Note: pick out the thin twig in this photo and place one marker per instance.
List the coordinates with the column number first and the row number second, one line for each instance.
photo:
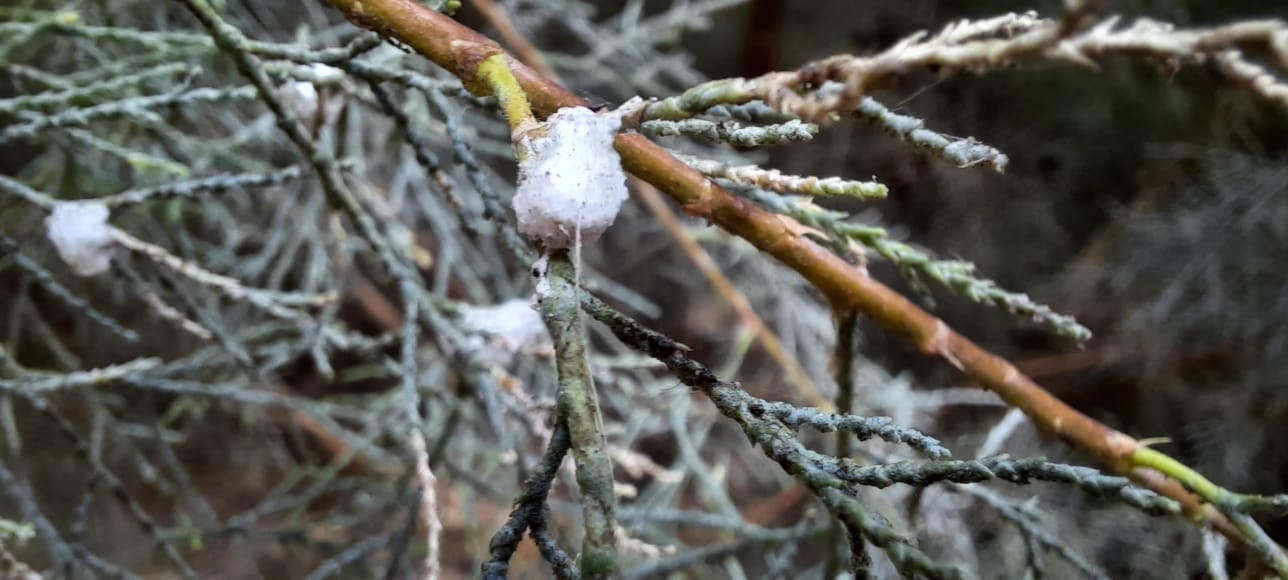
column 437, row 37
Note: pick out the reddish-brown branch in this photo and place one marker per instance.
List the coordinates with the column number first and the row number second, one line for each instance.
column 458, row 48
column 731, row 295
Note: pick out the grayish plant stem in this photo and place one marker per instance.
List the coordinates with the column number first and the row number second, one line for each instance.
column 778, row 442
column 843, row 359
column 579, row 407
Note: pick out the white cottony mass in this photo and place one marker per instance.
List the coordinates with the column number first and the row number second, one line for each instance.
column 82, row 236
column 513, row 326
column 571, row 179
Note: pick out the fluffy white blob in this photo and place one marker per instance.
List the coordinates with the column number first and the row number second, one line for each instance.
column 301, row 97
column 80, row 232
column 512, row 326
column 571, row 179
column 306, row 96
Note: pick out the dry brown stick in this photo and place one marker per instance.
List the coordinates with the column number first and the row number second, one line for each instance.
column 1068, row 362
column 460, row 50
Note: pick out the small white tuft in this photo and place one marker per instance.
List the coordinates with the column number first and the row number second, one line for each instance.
column 512, row 327
column 571, row 179
column 301, row 97
column 80, row 232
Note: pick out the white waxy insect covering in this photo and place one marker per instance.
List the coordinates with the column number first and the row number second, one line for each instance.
column 513, row 326
column 82, row 236
column 571, row 179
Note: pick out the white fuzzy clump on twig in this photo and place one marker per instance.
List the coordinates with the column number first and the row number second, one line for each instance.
column 511, row 327
column 571, row 183
column 82, row 236
column 301, row 95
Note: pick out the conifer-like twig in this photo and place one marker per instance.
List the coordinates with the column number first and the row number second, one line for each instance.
column 438, row 38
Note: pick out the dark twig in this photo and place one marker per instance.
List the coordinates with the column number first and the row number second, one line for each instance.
column 530, row 507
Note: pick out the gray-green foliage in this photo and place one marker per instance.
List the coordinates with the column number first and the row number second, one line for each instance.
column 211, row 369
